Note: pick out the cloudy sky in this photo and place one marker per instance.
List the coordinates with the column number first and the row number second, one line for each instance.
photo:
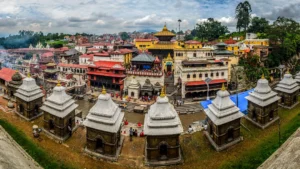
column 112, row 16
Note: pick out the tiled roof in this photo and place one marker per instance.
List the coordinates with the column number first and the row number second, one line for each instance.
column 202, row 82
column 143, row 57
column 6, row 74
column 106, row 54
column 72, row 65
column 109, row 65
column 87, row 56
column 47, row 54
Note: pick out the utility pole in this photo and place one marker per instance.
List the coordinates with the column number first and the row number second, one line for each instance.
column 179, row 20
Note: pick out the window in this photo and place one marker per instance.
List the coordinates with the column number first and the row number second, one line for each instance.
column 211, row 74
column 232, row 48
column 194, row 54
column 206, row 75
column 198, row 46
column 193, row 46
column 222, row 74
column 200, row 75
column 217, row 74
column 188, row 76
column 194, row 75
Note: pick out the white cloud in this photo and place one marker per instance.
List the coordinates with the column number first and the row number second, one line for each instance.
column 50, row 24
column 100, row 22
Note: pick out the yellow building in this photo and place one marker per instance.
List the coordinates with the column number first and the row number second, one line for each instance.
column 239, row 48
column 143, row 44
column 192, row 44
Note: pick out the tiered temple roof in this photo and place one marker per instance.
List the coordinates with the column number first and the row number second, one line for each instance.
column 147, row 86
column 16, row 80
column 29, row 90
column 263, row 94
column 164, row 32
column 143, row 57
column 105, row 115
column 59, row 103
column 223, row 110
column 287, row 84
column 162, row 118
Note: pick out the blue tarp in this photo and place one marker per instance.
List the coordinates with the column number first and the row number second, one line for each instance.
column 243, row 102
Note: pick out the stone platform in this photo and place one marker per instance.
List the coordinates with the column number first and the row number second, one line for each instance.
column 50, row 135
column 259, row 125
column 29, row 119
column 289, row 107
column 223, row 147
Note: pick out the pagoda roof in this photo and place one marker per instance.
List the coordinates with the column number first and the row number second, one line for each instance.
column 223, row 110
column 29, row 90
column 287, row 84
column 263, row 94
column 59, row 103
column 105, row 115
column 162, row 119
column 143, row 57
column 164, row 32
column 297, row 77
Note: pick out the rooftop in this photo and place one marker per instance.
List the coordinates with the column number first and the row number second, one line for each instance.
column 6, row 74
column 164, row 32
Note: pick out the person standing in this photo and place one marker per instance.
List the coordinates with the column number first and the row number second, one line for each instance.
column 130, row 133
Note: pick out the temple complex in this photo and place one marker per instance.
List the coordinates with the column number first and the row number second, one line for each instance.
column 103, row 125
column 147, row 71
column 262, row 104
column 223, row 121
column 59, row 114
column 29, row 99
column 288, row 90
column 14, row 84
column 162, row 127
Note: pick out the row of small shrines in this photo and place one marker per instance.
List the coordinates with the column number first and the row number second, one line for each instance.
column 162, row 125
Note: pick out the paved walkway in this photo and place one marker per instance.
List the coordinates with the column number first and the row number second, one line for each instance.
column 12, row 156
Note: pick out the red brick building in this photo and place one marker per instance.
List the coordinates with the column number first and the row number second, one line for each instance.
column 107, row 73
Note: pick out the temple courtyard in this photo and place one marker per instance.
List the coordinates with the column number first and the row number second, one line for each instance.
column 256, row 147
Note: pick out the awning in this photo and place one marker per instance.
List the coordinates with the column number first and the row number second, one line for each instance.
column 202, row 82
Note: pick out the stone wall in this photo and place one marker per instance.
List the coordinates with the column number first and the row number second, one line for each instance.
column 153, row 144
column 28, row 108
column 262, row 115
column 288, row 99
column 110, row 141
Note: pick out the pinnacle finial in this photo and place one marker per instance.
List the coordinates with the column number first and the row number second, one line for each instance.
column 162, row 93
column 58, row 83
column 103, row 90
column 28, row 74
column 287, row 71
column 263, row 76
column 223, row 87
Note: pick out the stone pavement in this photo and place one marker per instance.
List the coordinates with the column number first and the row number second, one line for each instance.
column 12, row 155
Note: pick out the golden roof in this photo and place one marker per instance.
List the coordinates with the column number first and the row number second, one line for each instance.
column 51, row 64
column 169, row 58
column 164, row 32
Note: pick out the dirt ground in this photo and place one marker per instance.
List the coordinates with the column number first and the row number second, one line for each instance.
column 71, row 151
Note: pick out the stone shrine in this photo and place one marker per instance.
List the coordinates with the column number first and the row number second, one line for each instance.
column 14, row 84
column 162, row 128
column 223, row 121
column 288, row 90
column 103, row 125
column 262, row 104
column 29, row 99
column 59, row 114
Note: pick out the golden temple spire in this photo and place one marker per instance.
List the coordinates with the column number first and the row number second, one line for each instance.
column 17, row 71
column 58, row 83
column 287, row 71
column 165, row 27
column 103, row 90
column 223, row 87
column 162, row 93
column 263, row 76
column 28, row 74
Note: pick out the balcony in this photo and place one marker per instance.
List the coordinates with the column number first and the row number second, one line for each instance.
column 144, row 73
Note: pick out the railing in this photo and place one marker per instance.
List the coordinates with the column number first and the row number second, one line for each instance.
column 203, row 68
column 143, row 73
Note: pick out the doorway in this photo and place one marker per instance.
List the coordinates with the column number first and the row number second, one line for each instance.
column 36, row 109
column 254, row 115
column 132, row 94
column 99, row 145
column 163, row 151
column 230, row 134
column 169, row 68
column 21, row 109
column 51, row 126
column 271, row 115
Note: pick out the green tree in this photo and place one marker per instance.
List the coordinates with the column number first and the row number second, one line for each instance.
column 243, row 15
column 124, row 36
column 188, row 37
column 210, row 30
column 259, row 25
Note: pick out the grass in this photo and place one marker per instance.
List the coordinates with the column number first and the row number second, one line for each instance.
column 37, row 153
column 257, row 146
